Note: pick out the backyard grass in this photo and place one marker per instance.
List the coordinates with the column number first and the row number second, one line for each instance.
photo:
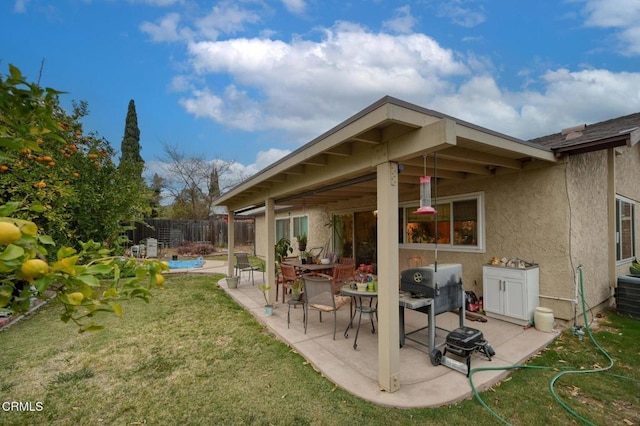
column 193, row 356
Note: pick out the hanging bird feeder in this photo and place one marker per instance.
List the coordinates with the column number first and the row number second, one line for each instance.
column 425, row 192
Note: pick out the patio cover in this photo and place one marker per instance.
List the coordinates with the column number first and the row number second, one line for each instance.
column 379, row 151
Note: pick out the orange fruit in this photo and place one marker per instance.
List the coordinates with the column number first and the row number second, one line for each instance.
column 34, row 268
column 9, row 233
column 4, row 168
column 92, row 156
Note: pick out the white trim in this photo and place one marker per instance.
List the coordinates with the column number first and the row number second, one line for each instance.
column 480, row 247
column 626, row 260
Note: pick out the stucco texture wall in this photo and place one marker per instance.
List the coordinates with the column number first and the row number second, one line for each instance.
column 317, row 237
column 627, row 182
column 554, row 215
column 587, row 184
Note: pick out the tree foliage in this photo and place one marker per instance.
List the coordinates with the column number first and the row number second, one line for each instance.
column 194, row 182
column 130, row 148
column 58, row 185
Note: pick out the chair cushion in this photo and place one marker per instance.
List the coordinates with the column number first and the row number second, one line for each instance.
column 324, row 308
column 340, row 301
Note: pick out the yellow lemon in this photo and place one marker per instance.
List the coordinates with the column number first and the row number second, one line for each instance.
column 75, row 298
column 34, row 268
column 159, row 279
column 9, row 233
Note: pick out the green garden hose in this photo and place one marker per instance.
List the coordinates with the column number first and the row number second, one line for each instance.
column 567, row 370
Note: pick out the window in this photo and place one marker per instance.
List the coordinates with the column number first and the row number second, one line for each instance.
column 460, row 224
column 625, row 229
column 300, row 226
column 288, row 228
column 282, row 229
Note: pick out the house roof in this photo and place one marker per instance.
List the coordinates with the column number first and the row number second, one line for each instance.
column 341, row 163
column 621, row 131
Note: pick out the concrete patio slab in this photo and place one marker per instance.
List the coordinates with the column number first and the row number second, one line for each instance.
column 421, row 383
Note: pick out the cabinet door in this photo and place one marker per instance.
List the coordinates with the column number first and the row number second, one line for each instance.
column 515, row 302
column 492, row 294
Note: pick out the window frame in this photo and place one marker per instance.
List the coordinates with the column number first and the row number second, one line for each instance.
column 289, row 224
column 480, row 247
column 618, row 236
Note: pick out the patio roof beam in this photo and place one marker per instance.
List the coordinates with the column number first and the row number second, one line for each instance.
column 295, row 170
column 477, row 157
column 342, row 184
column 318, row 160
column 503, row 143
column 444, row 164
column 343, row 150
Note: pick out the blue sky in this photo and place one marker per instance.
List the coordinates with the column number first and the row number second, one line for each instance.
column 251, row 80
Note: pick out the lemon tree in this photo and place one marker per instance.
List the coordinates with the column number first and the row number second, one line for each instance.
column 86, row 278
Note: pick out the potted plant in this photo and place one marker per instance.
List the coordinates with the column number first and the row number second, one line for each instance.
column 268, row 307
column 232, row 281
column 296, row 289
column 305, row 257
column 283, row 249
column 302, row 242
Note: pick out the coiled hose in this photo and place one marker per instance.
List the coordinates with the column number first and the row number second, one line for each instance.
column 567, row 370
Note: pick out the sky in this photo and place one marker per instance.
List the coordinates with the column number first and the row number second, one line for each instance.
column 251, row 80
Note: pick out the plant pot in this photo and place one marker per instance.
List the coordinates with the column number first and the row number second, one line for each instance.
column 268, row 310
column 232, row 282
column 302, row 247
column 296, row 296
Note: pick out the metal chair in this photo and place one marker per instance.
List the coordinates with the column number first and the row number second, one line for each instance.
column 318, row 295
column 243, row 265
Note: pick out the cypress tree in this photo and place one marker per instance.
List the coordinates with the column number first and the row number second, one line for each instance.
column 130, row 148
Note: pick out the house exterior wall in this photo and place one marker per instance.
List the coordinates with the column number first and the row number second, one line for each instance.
column 627, row 183
column 589, row 197
column 554, row 215
column 317, row 237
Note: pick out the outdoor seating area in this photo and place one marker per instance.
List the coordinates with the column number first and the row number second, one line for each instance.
column 357, row 370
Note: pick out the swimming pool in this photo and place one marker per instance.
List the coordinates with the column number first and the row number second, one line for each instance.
column 183, row 264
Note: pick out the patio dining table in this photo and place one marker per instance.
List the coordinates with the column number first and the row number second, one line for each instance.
column 361, row 308
column 312, row 267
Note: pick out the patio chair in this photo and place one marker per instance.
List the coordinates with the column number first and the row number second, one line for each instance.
column 289, row 275
column 318, row 291
column 342, row 274
column 243, row 265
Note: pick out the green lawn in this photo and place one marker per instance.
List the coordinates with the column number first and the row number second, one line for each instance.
column 192, row 356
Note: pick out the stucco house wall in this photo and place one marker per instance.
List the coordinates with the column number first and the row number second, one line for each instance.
column 554, row 215
column 627, row 164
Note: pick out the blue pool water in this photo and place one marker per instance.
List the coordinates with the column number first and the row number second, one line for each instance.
column 182, row 264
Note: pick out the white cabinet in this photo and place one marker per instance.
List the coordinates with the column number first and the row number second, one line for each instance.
column 510, row 294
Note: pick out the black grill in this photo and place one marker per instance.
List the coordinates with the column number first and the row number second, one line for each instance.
column 443, row 285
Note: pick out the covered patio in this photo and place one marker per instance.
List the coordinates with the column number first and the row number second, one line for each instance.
column 423, row 385
column 380, row 153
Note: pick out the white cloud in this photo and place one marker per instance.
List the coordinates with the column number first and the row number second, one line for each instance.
column 166, row 30
column 225, row 18
column 461, row 14
column 621, row 15
column 306, row 85
column 20, row 6
column 567, row 99
column 295, row 6
column 402, row 21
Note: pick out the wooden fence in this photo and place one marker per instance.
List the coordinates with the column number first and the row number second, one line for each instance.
column 175, row 232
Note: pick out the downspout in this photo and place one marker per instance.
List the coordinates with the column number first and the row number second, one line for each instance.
column 611, row 207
